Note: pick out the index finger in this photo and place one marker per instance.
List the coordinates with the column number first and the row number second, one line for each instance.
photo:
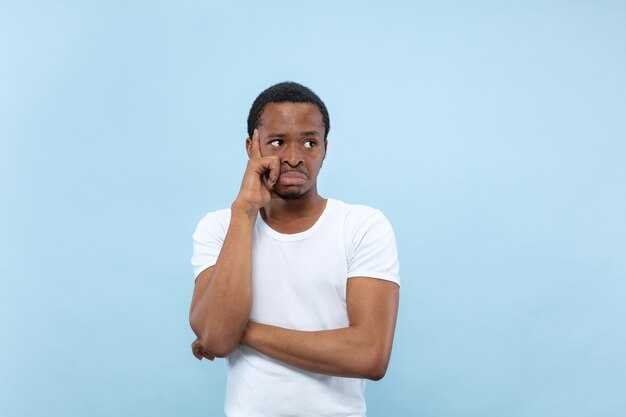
column 255, row 152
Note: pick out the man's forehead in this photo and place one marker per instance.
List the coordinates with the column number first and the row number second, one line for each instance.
column 292, row 115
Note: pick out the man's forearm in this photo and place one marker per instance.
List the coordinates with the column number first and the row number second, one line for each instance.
column 348, row 352
column 220, row 314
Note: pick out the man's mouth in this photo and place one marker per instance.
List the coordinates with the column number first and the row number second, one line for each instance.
column 292, row 178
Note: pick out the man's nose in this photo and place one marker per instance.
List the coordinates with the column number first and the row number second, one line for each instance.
column 292, row 156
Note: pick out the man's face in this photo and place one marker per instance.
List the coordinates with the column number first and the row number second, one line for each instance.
column 295, row 133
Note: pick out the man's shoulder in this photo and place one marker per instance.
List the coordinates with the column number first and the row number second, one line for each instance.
column 225, row 212
column 218, row 218
column 356, row 212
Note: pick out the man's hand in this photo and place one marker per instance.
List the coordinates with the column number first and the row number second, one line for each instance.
column 260, row 177
column 199, row 352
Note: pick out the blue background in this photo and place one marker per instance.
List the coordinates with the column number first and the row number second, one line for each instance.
column 491, row 134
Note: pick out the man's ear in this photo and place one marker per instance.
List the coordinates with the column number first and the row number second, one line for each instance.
column 248, row 146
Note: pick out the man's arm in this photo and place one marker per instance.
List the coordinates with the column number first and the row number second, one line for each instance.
column 222, row 297
column 361, row 350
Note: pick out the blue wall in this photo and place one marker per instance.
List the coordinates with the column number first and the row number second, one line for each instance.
column 492, row 135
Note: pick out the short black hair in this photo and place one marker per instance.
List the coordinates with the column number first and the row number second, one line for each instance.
column 281, row 93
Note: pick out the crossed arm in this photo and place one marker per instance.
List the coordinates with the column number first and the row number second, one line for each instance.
column 361, row 350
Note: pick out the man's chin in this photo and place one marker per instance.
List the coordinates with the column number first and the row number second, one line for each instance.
column 291, row 194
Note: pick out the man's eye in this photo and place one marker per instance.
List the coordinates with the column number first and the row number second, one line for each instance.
column 276, row 142
column 309, row 144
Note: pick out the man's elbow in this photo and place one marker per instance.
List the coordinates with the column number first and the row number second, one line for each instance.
column 220, row 347
column 376, row 373
column 377, row 367
column 219, row 350
column 196, row 324
column 216, row 345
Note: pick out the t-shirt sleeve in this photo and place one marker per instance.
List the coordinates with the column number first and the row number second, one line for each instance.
column 372, row 252
column 208, row 239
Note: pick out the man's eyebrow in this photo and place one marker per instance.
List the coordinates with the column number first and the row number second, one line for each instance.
column 310, row 133
column 278, row 135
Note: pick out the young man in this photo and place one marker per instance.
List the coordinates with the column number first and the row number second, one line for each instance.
column 298, row 292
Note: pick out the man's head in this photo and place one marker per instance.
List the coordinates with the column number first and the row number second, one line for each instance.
column 285, row 92
column 292, row 124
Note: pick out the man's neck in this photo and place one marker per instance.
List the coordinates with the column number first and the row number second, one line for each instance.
column 294, row 216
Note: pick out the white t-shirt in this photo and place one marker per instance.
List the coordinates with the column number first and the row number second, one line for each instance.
column 299, row 282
